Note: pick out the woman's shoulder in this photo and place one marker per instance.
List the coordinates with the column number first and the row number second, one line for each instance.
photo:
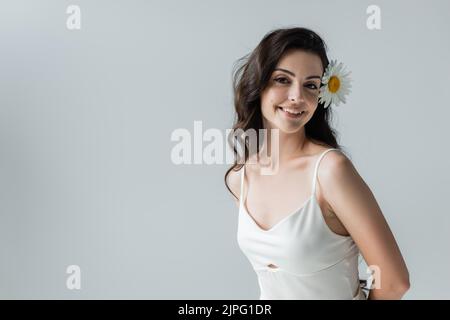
column 234, row 177
column 335, row 154
column 333, row 160
column 234, row 181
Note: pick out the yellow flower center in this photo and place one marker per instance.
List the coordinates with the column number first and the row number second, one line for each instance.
column 333, row 84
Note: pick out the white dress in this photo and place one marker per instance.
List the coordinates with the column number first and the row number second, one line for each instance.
column 312, row 261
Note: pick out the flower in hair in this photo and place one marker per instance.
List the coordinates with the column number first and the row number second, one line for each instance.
column 335, row 84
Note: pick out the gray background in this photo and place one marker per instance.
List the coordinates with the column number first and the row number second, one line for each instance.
column 85, row 124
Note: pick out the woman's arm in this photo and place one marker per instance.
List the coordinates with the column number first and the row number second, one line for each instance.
column 356, row 207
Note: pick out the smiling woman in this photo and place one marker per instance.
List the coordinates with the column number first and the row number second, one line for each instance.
column 303, row 227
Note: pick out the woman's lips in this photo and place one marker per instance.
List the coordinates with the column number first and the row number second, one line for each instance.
column 290, row 115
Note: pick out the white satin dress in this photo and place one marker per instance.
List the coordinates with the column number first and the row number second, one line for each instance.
column 312, row 261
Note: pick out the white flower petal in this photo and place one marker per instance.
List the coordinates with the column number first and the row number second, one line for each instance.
column 337, row 70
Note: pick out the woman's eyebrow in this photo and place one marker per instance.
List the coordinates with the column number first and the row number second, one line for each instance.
column 293, row 74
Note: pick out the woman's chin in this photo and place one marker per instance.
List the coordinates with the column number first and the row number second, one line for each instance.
column 285, row 127
column 289, row 129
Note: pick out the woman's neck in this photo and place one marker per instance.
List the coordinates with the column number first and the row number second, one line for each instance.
column 280, row 147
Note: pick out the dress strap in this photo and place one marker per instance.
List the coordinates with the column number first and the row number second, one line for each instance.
column 242, row 183
column 316, row 168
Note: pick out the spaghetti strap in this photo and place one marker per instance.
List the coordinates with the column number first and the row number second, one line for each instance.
column 316, row 169
column 242, row 184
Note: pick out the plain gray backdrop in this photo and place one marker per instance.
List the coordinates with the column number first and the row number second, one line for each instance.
column 86, row 118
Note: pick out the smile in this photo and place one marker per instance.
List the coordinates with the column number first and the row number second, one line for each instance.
column 291, row 113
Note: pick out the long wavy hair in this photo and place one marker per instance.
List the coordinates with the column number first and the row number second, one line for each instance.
column 251, row 75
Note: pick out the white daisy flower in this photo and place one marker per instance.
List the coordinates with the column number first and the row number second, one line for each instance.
column 335, row 84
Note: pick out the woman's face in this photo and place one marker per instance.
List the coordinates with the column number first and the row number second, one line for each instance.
column 293, row 88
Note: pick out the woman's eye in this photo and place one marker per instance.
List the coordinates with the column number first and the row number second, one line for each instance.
column 311, row 86
column 282, row 80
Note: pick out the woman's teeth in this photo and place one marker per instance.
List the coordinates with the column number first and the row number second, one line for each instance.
column 291, row 111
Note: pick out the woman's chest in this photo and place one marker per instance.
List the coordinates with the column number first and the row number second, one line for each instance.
column 272, row 199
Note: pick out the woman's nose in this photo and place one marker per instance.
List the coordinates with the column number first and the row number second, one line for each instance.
column 295, row 95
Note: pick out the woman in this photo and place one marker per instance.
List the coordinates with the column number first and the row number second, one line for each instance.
column 303, row 227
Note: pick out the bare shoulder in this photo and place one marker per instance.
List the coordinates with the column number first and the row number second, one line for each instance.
column 339, row 182
column 334, row 160
column 332, row 163
column 336, row 166
column 234, row 183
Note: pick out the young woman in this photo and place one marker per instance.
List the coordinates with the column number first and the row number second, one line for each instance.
column 303, row 227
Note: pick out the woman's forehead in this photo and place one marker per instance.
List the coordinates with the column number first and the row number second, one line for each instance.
column 301, row 63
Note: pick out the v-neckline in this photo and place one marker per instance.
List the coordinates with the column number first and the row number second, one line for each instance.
column 285, row 218
column 243, row 201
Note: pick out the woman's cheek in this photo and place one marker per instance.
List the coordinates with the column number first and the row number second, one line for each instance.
column 278, row 92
